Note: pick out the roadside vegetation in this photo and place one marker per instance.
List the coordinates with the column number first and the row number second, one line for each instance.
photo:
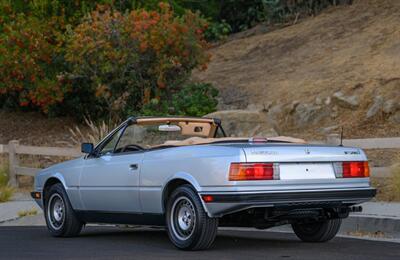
column 107, row 59
column 25, row 213
column 6, row 191
column 389, row 188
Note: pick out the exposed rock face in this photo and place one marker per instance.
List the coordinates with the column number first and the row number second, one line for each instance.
column 395, row 118
column 309, row 114
column 245, row 123
column 375, row 107
column 391, row 106
column 345, row 101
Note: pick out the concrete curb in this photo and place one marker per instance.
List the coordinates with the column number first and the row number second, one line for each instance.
column 373, row 226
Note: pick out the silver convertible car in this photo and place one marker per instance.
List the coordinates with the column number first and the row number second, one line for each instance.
column 185, row 174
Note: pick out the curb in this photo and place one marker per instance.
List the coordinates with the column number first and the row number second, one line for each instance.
column 371, row 225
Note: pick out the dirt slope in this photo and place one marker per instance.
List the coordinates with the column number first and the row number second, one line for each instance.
column 354, row 49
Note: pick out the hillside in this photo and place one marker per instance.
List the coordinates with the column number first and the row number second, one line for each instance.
column 339, row 68
column 295, row 70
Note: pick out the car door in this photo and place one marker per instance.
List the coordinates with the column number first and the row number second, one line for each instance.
column 110, row 180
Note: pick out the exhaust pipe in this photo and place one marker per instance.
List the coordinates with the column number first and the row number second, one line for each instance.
column 356, row 209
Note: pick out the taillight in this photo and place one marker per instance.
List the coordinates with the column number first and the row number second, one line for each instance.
column 351, row 169
column 253, row 171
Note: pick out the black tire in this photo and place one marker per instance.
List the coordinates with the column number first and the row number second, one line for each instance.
column 201, row 229
column 61, row 219
column 318, row 231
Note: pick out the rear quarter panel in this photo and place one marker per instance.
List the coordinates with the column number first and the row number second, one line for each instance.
column 202, row 166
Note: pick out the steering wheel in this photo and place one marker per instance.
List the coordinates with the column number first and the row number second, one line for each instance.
column 131, row 148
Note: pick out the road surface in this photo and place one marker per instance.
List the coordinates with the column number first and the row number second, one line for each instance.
column 145, row 243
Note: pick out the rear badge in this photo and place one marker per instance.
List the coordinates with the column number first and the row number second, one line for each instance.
column 307, row 151
column 264, row 152
column 351, row 152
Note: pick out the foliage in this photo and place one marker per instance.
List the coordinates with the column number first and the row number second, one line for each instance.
column 6, row 192
column 388, row 189
column 128, row 59
column 108, row 58
column 217, row 31
column 29, row 63
column 3, row 174
column 194, row 99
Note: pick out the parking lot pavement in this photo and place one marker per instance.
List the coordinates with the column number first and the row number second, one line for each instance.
column 147, row 243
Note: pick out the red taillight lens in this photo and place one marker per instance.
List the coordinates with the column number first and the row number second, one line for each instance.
column 251, row 171
column 207, row 198
column 355, row 169
column 351, row 169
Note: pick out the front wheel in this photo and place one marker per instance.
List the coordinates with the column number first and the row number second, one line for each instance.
column 318, row 231
column 61, row 219
column 189, row 227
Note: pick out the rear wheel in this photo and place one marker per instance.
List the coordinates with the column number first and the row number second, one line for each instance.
column 61, row 219
column 188, row 225
column 317, row 231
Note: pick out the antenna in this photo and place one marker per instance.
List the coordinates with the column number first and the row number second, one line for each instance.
column 341, row 137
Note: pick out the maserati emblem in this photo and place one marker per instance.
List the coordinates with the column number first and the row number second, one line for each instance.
column 307, row 151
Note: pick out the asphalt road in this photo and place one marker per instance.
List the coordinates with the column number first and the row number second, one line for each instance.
column 117, row 243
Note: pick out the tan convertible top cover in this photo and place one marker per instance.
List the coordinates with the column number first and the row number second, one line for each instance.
column 199, row 140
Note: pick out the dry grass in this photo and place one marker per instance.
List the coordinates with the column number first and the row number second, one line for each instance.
column 377, row 234
column 24, row 213
column 6, row 192
column 94, row 133
column 388, row 189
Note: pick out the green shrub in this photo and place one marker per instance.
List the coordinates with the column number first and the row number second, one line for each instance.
column 30, row 62
column 217, row 31
column 194, row 99
column 3, row 174
column 6, row 192
column 125, row 60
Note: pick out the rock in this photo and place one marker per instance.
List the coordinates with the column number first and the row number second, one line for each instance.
column 335, row 112
column 256, row 107
column 328, row 101
column 309, row 114
column 345, row 101
column 318, row 101
column 391, row 106
column 395, row 118
column 245, row 123
column 275, row 113
column 329, row 129
column 375, row 107
column 292, row 106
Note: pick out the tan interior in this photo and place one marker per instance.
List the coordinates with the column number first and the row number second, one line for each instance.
column 202, row 131
column 202, row 127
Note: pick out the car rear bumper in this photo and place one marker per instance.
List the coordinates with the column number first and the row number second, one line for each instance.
column 230, row 202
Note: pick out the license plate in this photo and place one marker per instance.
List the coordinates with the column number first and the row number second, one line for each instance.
column 306, row 171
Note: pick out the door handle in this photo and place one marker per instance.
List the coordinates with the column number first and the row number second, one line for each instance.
column 133, row 166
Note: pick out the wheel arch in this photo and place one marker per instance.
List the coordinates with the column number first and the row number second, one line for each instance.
column 50, row 181
column 176, row 181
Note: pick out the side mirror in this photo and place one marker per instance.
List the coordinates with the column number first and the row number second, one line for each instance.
column 87, row 148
